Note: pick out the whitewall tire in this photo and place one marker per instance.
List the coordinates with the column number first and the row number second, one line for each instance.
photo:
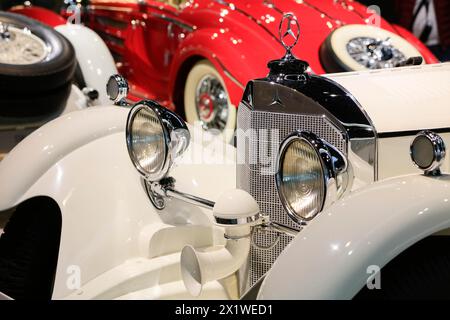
column 206, row 100
column 360, row 47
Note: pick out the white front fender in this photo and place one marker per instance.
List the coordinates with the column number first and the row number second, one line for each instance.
column 112, row 239
column 330, row 257
column 94, row 58
column 38, row 152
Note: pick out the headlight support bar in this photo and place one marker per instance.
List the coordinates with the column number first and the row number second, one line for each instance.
column 165, row 188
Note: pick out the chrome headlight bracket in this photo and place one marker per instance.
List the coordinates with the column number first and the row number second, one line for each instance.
column 156, row 191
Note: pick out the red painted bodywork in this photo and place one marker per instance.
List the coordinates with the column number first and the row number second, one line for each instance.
column 48, row 17
column 156, row 44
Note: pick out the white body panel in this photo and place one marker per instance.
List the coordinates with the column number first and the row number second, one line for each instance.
column 402, row 99
column 120, row 243
column 94, row 58
column 77, row 100
column 329, row 258
column 394, row 159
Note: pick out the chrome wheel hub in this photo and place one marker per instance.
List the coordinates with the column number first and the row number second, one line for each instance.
column 374, row 53
column 211, row 103
column 20, row 46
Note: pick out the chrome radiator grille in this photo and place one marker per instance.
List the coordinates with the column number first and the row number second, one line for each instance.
column 257, row 154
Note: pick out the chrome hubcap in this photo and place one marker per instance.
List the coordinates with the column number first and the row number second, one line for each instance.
column 4, row 31
column 211, row 103
column 375, row 53
column 20, row 46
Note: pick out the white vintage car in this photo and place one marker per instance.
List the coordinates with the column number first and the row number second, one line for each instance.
column 334, row 191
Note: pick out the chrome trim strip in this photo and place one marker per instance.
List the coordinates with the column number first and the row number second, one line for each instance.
column 108, row 8
column 407, row 133
column 232, row 78
column 353, row 136
column 175, row 21
column 238, row 221
column 228, row 74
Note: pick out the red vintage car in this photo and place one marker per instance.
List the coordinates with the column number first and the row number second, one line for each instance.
column 196, row 56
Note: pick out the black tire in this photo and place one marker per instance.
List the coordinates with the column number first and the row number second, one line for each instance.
column 420, row 272
column 29, row 250
column 54, row 72
column 330, row 62
column 34, row 106
column 40, row 89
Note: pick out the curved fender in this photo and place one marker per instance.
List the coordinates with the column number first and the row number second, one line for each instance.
column 41, row 14
column 329, row 259
column 81, row 161
column 32, row 157
column 235, row 72
column 428, row 56
column 94, row 58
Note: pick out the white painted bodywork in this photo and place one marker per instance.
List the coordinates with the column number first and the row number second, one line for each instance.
column 402, row 99
column 125, row 248
column 330, row 257
column 111, row 232
column 94, row 58
column 406, row 100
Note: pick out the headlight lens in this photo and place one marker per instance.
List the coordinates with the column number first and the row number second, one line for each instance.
column 155, row 137
column 147, row 142
column 301, row 181
column 428, row 151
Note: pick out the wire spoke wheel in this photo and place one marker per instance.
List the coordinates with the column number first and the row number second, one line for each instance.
column 212, row 103
column 20, row 46
column 356, row 47
column 206, row 101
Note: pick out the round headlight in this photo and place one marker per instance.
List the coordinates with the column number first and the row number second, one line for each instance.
column 117, row 88
column 311, row 175
column 147, row 142
column 301, row 178
column 155, row 137
column 427, row 151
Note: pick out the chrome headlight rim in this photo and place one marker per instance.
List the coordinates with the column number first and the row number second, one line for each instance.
column 159, row 111
column 438, row 151
column 332, row 162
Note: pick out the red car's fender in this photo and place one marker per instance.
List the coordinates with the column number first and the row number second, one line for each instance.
column 235, row 72
column 43, row 15
column 424, row 51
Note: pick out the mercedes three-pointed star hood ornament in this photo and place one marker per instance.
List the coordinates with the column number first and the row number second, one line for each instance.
column 289, row 34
